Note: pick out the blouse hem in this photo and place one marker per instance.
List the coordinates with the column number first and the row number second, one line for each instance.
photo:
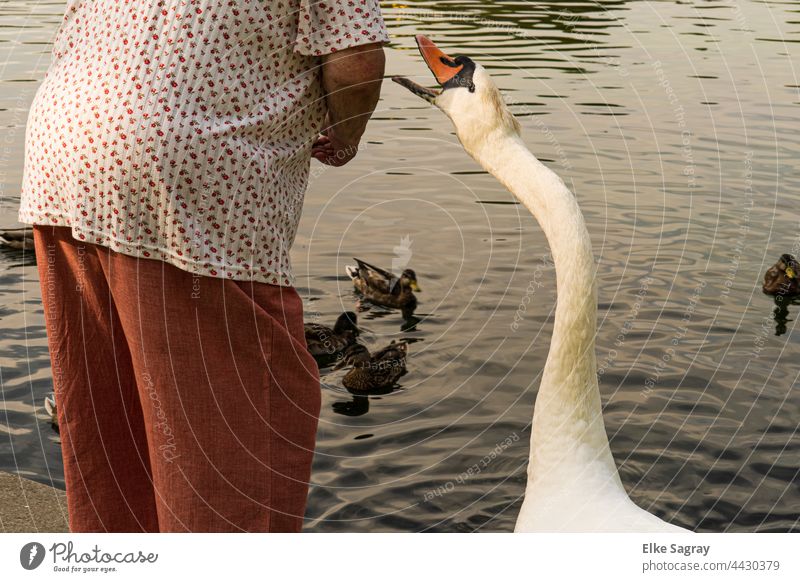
column 141, row 251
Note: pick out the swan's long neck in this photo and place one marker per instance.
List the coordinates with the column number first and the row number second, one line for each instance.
column 568, row 432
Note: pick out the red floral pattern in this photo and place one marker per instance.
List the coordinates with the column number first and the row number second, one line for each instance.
column 181, row 130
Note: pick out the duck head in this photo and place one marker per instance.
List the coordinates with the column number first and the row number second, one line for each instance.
column 468, row 96
column 408, row 278
column 782, row 277
column 346, row 322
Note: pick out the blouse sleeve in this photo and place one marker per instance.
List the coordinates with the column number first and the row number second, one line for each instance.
column 327, row 26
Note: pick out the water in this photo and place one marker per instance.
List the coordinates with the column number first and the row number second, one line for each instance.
column 677, row 128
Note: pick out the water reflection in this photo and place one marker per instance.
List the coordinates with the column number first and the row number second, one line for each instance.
column 675, row 124
column 781, row 313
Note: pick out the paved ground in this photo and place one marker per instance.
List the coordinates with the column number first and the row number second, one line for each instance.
column 27, row 506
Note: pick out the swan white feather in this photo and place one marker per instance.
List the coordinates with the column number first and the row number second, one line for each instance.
column 573, row 483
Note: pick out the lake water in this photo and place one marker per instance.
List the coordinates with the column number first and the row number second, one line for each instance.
column 678, row 128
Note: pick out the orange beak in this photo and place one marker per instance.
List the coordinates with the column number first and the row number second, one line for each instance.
column 442, row 66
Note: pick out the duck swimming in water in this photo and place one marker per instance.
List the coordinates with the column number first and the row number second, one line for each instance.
column 384, row 288
column 374, row 371
column 782, row 277
column 325, row 344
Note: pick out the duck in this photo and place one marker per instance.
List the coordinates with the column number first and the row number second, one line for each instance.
column 326, row 344
column 781, row 279
column 373, row 371
column 381, row 287
column 17, row 238
column 572, row 481
column 51, row 408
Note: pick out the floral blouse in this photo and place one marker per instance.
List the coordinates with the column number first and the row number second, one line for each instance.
column 181, row 130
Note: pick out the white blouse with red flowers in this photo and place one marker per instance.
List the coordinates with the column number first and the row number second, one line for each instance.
column 181, row 130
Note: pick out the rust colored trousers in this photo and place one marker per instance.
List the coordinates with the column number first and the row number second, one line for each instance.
column 185, row 403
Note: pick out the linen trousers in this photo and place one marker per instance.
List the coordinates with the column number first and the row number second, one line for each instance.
column 185, row 403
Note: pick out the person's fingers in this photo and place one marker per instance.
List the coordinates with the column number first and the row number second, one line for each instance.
column 328, row 151
column 322, row 146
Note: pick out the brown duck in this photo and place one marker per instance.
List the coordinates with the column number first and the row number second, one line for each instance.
column 782, row 277
column 326, row 344
column 384, row 288
column 373, row 371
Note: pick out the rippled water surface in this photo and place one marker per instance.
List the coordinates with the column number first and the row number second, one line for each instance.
column 678, row 128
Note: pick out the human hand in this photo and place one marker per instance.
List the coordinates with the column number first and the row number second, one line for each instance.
column 331, row 150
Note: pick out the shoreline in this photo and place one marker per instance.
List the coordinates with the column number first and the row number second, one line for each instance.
column 28, row 506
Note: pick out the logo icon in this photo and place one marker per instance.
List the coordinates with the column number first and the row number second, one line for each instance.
column 402, row 256
column 31, row 555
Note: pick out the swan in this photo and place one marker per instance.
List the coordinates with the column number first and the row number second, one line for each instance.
column 573, row 483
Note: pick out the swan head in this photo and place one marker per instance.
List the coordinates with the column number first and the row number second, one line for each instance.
column 468, row 96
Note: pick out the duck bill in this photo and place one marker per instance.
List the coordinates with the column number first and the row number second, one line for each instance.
column 415, row 287
column 442, row 66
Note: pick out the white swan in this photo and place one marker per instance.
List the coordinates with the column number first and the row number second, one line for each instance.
column 573, row 484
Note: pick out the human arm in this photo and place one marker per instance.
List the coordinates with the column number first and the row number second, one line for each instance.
column 351, row 79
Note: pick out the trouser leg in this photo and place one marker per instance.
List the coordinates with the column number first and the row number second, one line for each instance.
column 229, row 393
column 294, row 404
column 103, row 440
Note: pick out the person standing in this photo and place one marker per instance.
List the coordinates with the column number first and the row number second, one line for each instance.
column 167, row 156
